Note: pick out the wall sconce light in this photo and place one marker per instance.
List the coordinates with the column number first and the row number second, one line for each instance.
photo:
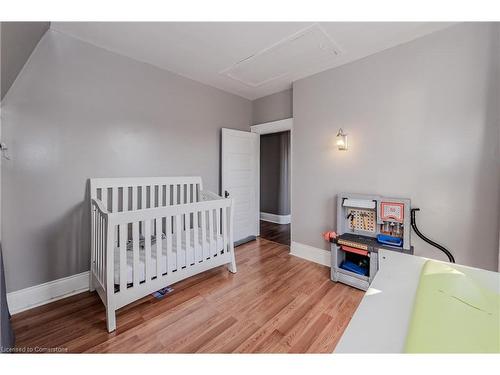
column 3, row 151
column 341, row 140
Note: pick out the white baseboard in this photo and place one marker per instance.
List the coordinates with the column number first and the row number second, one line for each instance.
column 311, row 253
column 42, row 294
column 278, row 219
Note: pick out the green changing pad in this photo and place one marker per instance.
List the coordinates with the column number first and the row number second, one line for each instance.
column 453, row 314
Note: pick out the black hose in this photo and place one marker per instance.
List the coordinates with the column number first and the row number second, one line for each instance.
column 414, row 226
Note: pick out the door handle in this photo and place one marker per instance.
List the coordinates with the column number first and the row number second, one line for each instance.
column 226, row 194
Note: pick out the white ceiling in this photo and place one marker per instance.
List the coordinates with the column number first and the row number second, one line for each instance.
column 250, row 59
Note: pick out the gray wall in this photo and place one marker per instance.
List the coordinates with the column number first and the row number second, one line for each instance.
column 78, row 111
column 422, row 124
column 275, row 173
column 273, row 107
column 17, row 42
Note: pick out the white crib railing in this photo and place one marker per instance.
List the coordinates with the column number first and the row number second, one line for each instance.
column 177, row 231
column 128, row 194
column 98, row 242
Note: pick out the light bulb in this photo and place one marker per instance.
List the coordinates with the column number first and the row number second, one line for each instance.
column 341, row 140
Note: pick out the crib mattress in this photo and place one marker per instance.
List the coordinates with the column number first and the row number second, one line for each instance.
column 204, row 251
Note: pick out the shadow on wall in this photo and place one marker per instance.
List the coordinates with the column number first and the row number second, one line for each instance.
column 488, row 179
column 70, row 236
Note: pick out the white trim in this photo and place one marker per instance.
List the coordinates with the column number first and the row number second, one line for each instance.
column 276, row 127
column 311, row 253
column 42, row 294
column 277, row 219
column 273, row 127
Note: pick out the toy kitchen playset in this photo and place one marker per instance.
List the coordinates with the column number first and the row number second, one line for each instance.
column 365, row 224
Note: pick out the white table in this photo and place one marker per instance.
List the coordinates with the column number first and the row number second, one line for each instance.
column 381, row 321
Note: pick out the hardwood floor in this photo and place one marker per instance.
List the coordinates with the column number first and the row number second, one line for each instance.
column 275, row 303
column 279, row 233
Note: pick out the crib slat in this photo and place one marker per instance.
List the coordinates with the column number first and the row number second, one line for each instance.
column 123, row 257
column 161, row 198
column 192, row 249
column 196, row 238
column 134, row 198
column 231, row 228
column 135, row 249
column 167, row 197
column 98, row 245
column 181, row 198
column 103, row 234
column 114, row 199
column 178, row 240
column 94, row 235
column 148, row 261
column 143, row 196
column 114, row 208
column 95, row 240
column 217, row 221
column 211, row 231
column 204, row 247
column 189, row 250
column 101, row 245
column 224, row 228
column 217, row 233
column 152, row 196
column 159, row 248
column 97, row 249
column 168, row 233
column 104, row 198
column 192, row 215
column 125, row 199
column 103, row 248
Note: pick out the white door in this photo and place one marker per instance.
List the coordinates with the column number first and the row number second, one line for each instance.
column 240, row 180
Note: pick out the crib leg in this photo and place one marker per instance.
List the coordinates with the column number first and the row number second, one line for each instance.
column 110, row 319
column 232, row 266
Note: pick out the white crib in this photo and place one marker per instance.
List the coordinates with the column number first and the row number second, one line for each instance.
column 148, row 233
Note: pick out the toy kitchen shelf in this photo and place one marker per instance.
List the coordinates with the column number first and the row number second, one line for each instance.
column 365, row 224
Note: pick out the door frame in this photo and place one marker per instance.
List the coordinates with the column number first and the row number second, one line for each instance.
column 270, row 128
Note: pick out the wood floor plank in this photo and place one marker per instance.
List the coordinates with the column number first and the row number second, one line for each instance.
column 279, row 233
column 198, row 339
column 274, row 303
column 232, row 338
column 307, row 338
